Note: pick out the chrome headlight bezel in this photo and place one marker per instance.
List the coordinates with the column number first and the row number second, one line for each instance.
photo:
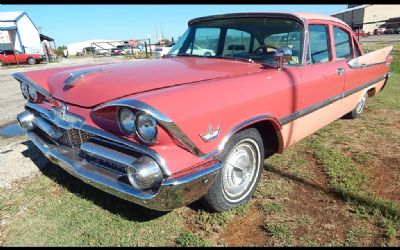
column 128, row 129
column 33, row 94
column 24, row 90
column 146, row 134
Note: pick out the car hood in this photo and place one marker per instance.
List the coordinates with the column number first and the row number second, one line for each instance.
column 92, row 85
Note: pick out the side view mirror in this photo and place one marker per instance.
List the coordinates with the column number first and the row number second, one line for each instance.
column 283, row 55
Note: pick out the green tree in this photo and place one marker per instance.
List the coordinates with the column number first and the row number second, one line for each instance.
column 60, row 50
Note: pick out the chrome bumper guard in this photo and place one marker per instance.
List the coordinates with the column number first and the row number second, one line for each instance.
column 172, row 193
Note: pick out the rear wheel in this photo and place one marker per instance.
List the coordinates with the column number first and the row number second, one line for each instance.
column 235, row 184
column 356, row 112
column 1, row 63
column 31, row 60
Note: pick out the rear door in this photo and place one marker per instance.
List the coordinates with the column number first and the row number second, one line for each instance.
column 323, row 76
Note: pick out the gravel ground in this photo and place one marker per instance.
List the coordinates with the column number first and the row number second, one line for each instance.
column 16, row 153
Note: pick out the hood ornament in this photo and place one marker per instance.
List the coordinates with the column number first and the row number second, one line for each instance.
column 70, row 81
column 211, row 134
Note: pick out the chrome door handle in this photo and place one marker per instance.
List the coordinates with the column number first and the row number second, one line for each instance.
column 340, row 71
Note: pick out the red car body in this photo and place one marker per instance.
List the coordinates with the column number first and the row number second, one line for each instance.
column 190, row 97
column 8, row 57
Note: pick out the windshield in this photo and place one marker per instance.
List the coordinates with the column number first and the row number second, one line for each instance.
column 242, row 38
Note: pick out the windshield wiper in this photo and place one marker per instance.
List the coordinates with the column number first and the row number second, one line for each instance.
column 249, row 60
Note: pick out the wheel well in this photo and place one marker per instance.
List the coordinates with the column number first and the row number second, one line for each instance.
column 371, row 92
column 269, row 136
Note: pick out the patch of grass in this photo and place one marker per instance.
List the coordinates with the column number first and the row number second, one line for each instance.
column 279, row 231
column 215, row 221
column 389, row 228
column 346, row 180
column 307, row 241
column 79, row 215
column 272, row 207
column 361, row 157
column 354, row 235
column 189, row 239
column 306, row 219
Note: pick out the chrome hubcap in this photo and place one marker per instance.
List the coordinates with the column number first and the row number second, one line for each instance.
column 240, row 168
column 361, row 104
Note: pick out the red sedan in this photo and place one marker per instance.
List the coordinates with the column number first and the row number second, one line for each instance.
column 8, row 57
column 164, row 133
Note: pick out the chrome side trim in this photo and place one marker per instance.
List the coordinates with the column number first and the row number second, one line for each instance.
column 80, row 125
column 180, row 137
column 173, row 192
column 241, row 125
column 136, row 104
column 22, row 78
column 298, row 114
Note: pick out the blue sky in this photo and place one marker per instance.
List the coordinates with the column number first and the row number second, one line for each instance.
column 73, row 23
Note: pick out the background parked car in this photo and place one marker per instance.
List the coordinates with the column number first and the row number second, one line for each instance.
column 8, row 57
column 160, row 51
column 124, row 49
column 197, row 50
column 391, row 31
column 360, row 33
column 380, row 30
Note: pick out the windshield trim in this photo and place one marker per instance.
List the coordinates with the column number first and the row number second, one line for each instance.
column 301, row 20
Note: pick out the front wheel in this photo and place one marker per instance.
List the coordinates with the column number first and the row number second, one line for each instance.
column 234, row 185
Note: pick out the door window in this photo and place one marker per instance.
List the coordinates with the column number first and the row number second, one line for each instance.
column 319, row 44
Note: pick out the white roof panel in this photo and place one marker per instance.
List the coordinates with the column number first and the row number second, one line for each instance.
column 7, row 25
column 9, row 15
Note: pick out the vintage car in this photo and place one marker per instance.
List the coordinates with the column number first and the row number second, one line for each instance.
column 165, row 133
column 9, row 57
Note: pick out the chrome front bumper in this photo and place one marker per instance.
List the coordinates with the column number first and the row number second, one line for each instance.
column 172, row 193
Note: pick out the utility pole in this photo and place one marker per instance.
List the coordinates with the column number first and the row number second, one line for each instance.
column 162, row 31
column 156, row 32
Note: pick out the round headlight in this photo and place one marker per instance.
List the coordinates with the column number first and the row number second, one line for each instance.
column 144, row 173
column 146, row 127
column 126, row 120
column 25, row 90
column 33, row 95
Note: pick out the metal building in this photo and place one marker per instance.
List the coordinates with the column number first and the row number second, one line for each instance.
column 368, row 17
column 18, row 32
column 86, row 46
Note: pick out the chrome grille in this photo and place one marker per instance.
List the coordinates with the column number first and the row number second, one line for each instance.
column 74, row 137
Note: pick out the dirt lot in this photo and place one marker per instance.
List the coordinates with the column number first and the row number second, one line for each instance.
column 338, row 187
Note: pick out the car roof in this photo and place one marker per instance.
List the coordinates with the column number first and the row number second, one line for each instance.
column 296, row 15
